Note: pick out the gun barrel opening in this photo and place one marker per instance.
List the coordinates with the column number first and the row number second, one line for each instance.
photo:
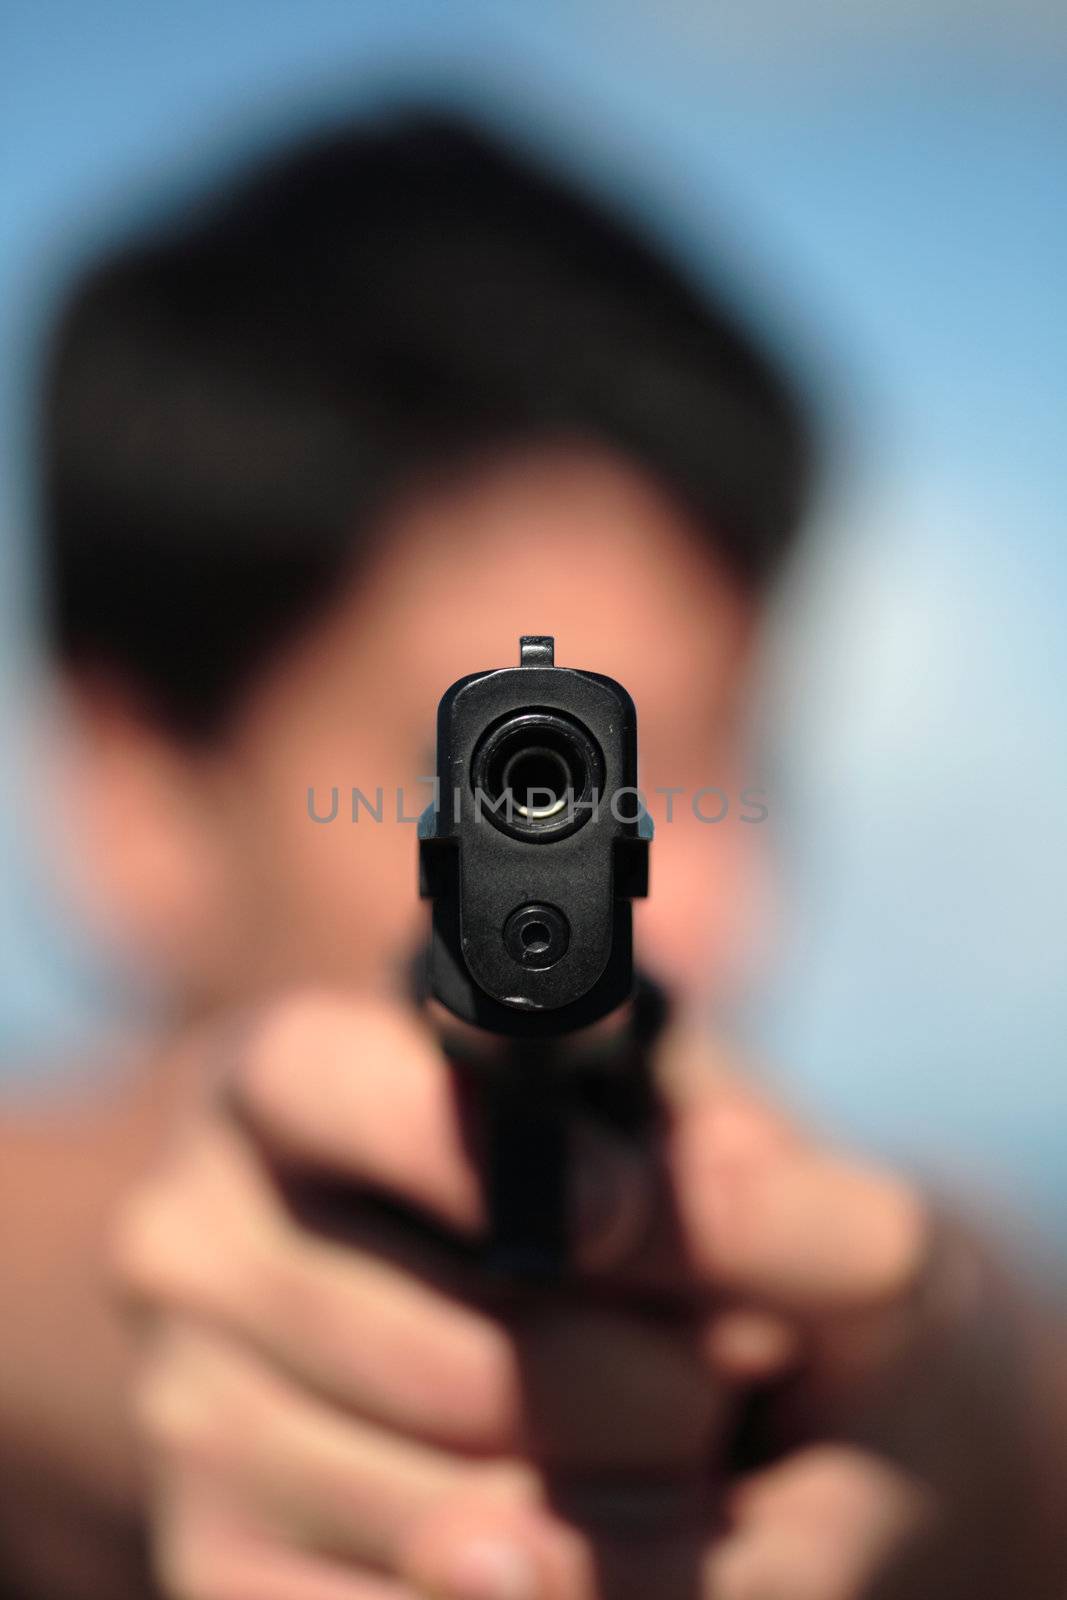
column 536, row 773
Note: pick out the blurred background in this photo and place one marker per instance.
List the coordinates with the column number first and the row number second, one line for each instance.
column 882, row 185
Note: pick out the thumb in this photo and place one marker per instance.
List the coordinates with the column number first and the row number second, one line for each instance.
column 730, row 1198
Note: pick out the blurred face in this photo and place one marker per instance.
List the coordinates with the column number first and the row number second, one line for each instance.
column 576, row 544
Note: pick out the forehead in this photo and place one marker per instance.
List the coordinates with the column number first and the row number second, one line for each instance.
column 570, row 542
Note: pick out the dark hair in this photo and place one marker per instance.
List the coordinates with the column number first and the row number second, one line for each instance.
column 233, row 399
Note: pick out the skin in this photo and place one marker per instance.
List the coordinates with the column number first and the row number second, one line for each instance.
column 316, row 1418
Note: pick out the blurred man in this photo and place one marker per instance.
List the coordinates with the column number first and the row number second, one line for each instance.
column 311, row 451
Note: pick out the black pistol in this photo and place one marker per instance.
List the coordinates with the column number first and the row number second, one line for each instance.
column 532, row 851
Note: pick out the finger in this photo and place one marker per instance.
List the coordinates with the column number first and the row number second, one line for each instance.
column 204, row 1548
column 240, row 1568
column 477, row 1552
column 742, row 1206
column 364, row 1092
column 325, row 1483
column 765, row 1211
column 272, row 1574
column 211, row 1238
column 806, row 1233
column 818, row 1526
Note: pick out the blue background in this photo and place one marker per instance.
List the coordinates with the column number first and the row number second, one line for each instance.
column 884, row 185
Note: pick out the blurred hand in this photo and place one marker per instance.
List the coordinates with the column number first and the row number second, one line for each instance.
column 361, row 1419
